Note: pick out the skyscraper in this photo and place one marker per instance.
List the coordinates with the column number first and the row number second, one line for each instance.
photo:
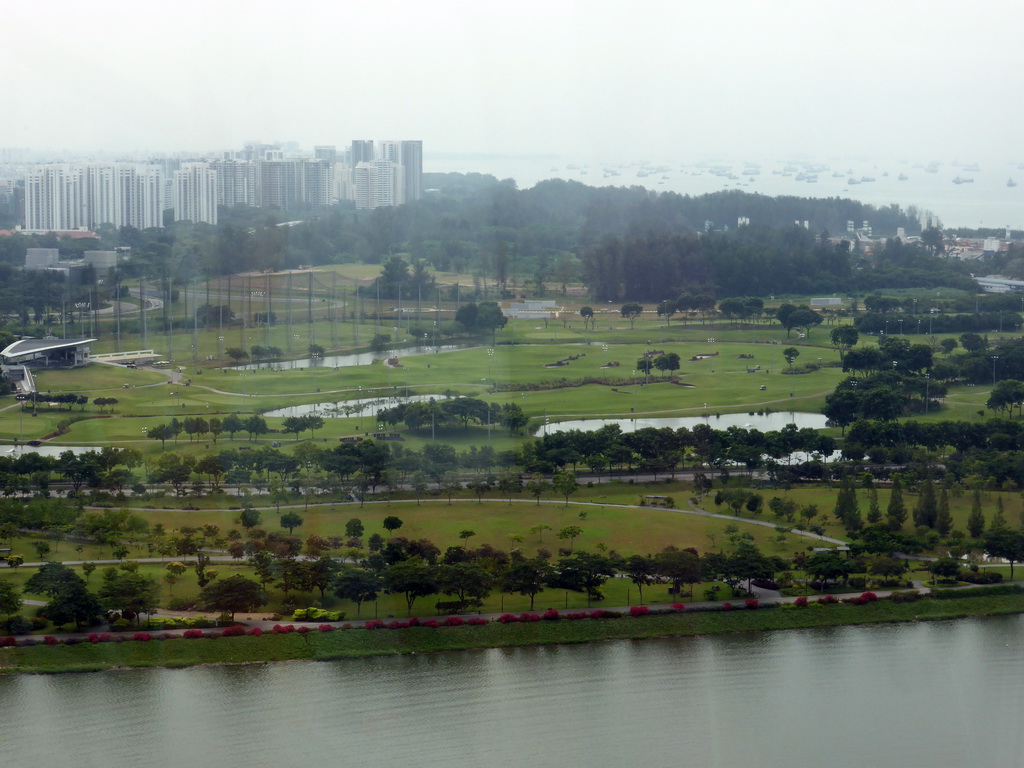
column 195, row 193
column 64, row 196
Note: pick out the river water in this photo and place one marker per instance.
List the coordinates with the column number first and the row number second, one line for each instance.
column 938, row 694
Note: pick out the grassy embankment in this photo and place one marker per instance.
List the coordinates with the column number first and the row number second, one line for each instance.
column 317, row 646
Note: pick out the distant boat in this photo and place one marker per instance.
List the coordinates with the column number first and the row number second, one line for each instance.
column 960, row 180
column 903, row 177
column 1011, row 183
column 866, row 179
column 973, row 168
column 852, row 180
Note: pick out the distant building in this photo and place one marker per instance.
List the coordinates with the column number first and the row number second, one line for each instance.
column 826, row 302
column 538, row 310
column 70, row 196
column 195, row 193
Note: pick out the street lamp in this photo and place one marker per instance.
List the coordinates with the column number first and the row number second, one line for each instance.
column 927, row 383
column 994, row 358
column 634, row 394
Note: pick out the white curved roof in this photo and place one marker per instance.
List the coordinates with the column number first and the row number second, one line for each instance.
column 24, row 347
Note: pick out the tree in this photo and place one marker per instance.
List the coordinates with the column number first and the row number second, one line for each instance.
column 1005, row 544
column 250, row 518
column 976, row 520
column 10, row 601
column 233, row 594
column 943, row 518
column 526, row 577
column 412, row 578
column 354, row 528
column 236, row 353
column 469, row 583
column 668, row 362
column 391, row 523
column 641, row 571
column 583, row 572
column 896, row 512
column 631, row 311
column 679, row 566
column 666, row 309
column 926, row 511
column 565, row 484
column 791, row 354
column 357, row 585
column 128, row 592
column 827, row 566
column 75, row 604
column 291, row 521
column 587, row 313
column 490, row 318
column 570, row 533
column 843, row 338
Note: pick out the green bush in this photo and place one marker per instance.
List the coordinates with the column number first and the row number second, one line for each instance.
column 953, row 594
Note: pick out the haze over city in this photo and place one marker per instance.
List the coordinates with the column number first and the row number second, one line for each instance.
column 654, row 80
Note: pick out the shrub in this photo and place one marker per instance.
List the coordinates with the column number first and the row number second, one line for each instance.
column 678, row 607
column 828, row 600
column 325, row 628
column 476, row 621
column 38, row 622
column 528, row 617
column 507, row 618
column 50, row 640
column 283, row 630
column 192, row 634
column 911, row 596
column 765, row 583
column 801, row 602
column 301, row 614
column 639, row 610
column 869, row 597
column 234, row 631
column 374, row 624
column 70, row 641
column 726, row 606
column 168, row 636
column 8, row 642
column 302, row 630
column 979, row 576
column 398, row 624
column 142, row 637
column 752, row 604
column 576, row 616
column 551, row 614
column 19, row 625
column 431, row 623
column 413, row 622
column 453, row 621
column 255, row 632
column 1003, row 589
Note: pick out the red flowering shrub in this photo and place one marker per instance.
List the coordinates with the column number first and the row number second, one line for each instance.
column 100, row 638
column 374, row 624
column 255, row 632
column 726, row 606
column 869, row 597
column 801, row 602
column 302, row 630
column 234, row 631
column 453, row 621
column 50, row 640
column 8, row 642
column 828, row 600
column 476, row 621
column 577, row 616
column 414, row 622
column 398, row 625
column 602, row 614
column 168, row 636
column 326, row 628
column 639, row 610
column 431, row 624
column 192, row 634
column 678, row 607
column 505, row 618
column 283, row 630
column 142, row 637
column 752, row 604
column 528, row 617
column 551, row 614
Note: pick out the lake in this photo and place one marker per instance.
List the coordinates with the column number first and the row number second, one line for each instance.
column 765, row 422
column 942, row 694
column 344, row 361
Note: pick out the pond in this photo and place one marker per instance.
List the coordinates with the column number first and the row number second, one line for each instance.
column 344, row 361
column 765, row 422
column 367, row 406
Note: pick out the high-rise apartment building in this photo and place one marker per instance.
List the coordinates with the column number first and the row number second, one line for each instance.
column 65, row 196
column 373, row 186
column 195, row 193
column 378, row 184
column 236, row 182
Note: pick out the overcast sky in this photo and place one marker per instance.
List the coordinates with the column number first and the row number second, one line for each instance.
column 658, row 80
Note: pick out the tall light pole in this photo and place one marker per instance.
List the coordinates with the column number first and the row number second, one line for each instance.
column 927, row 383
column 994, row 358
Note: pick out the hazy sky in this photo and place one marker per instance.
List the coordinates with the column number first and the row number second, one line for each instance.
column 658, row 80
